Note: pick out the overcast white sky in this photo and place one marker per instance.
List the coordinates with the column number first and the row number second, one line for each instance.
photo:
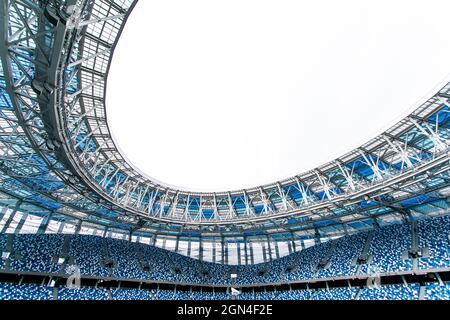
column 214, row 95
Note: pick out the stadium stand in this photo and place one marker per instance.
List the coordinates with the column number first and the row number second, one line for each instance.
column 387, row 247
column 25, row 292
column 342, row 261
column 432, row 291
column 131, row 294
column 335, row 294
column 36, row 253
column 294, row 295
column 437, row 292
column 83, row 293
column 120, row 259
column 100, row 258
column 88, row 255
column 391, row 292
column 434, row 235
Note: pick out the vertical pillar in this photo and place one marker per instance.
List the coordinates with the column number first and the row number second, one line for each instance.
column 317, row 237
column 238, row 247
column 294, row 246
column 78, row 227
column 252, row 256
column 61, row 227
column 214, row 260
column 44, row 223
column 225, row 249
column 189, row 247
column 200, row 248
column 177, row 244
column 277, row 250
column 264, row 252
column 269, row 248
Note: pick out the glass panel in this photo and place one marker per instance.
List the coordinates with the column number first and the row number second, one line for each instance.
column 283, row 249
column 207, row 251
column 14, row 223
column 87, row 231
column 53, row 226
column 232, row 253
column 159, row 242
column 69, row 228
column 183, row 247
column 170, row 244
column 257, row 252
column 145, row 240
column 5, row 218
column 31, row 225
column 195, row 249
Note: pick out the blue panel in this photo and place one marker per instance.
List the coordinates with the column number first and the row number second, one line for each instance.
column 415, row 201
column 208, row 214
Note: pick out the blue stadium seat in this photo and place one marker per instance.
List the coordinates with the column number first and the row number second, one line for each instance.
column 25, row 292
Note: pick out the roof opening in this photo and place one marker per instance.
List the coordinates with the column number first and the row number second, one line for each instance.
column 213, row 95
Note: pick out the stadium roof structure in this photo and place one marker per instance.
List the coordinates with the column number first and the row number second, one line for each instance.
column 58, row 160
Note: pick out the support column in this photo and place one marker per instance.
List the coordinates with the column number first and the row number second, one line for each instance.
column 264, row 252
column 238, row 245
column 200, row 248
column 214, row 260
column 78, row 227
column 317, row 237
column 61, row 227
column 294, row 246
column 177, row 243
column 223, row 250
column 277, row 250
column 44, row 223
column 189, row 247
column 226, row 252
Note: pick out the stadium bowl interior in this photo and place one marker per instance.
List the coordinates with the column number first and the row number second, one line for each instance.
column 79, row 222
